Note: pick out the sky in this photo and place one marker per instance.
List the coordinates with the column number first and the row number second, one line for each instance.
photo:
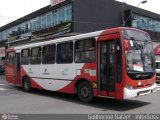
column 151, row 5
column 13, row 9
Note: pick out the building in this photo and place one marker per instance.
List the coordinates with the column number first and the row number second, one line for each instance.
column 71, row 17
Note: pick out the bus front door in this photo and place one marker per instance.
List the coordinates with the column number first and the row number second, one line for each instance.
column 17, row 69
column 107, row 66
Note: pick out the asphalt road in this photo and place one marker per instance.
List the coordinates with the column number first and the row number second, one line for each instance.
column 15, row 100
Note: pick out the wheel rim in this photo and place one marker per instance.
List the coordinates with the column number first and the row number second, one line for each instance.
column 26, row 84
column 85, row 92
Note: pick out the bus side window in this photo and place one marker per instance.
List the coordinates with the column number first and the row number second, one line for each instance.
column 10, row 58
column 35, row 55
column 85, row 51
column 25, row 56
column 65, row 52
column 48, row 54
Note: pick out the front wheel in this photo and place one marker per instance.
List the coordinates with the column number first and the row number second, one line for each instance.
column 26, row 84
column 85, row 92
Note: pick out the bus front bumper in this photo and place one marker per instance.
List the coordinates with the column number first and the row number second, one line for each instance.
column 128, row 93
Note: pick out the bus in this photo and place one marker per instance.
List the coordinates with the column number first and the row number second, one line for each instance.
column 115, row 63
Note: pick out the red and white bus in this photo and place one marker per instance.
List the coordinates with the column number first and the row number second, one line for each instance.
column 114, row 63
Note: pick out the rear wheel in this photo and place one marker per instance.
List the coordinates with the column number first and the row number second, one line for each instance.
column 85, row 92
column 26, row 84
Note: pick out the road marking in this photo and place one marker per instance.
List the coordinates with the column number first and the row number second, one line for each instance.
column 2, row 84
column 2, row 89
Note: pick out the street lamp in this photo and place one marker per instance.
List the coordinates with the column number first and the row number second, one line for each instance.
column 124, row 21
column 142, row 2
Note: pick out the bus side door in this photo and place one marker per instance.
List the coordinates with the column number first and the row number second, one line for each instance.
column 109, row 68
column 17, row 68
column 10, row 67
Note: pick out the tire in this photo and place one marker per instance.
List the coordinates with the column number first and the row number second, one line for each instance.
column 26, row 84
column 85, row 92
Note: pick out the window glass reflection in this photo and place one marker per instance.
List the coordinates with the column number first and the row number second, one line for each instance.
column 145, row 23
column 49, row 19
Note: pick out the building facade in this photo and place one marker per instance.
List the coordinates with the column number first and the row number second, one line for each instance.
column 71, row 17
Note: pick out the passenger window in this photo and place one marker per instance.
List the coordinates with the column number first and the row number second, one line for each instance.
column 35, row 55
column 25, row 56
column 65, row 52
column 10, row 58
column 48, row 54
column 85, row 51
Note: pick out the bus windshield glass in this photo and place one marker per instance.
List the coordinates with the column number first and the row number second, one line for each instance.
column 138, row 52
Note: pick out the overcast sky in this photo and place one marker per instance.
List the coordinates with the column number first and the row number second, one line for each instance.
column 13, row 9
column 151, row 5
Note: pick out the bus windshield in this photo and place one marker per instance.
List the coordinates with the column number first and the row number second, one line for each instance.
column 139, row 53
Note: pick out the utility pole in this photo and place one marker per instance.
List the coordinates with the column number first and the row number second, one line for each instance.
column 125, row 20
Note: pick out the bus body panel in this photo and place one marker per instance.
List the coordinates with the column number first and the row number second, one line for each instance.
column 139, row 92
column 10, row 76
column 57, row 76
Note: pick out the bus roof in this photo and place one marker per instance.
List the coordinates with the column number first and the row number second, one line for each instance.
column 64, row 39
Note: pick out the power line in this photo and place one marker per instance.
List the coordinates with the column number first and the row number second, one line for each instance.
column 8, row 17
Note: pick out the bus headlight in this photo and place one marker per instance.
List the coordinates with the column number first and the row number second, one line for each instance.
column 129, row 87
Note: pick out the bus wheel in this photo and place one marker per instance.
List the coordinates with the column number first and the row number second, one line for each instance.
column 85, row 92
column 26, row 84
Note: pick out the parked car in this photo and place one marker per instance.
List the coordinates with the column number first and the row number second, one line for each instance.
column 2, row 69
column 158, row 71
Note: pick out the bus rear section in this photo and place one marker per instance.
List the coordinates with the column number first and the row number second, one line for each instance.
column 115, row 63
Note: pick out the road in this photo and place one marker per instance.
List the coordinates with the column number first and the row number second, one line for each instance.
column 15, row 100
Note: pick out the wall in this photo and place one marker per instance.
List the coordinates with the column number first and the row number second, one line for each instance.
column 93, row 15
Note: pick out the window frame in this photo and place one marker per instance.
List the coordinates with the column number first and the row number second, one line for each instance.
column 58, row 55
column 94, row 50
column 13, row 61
column 40, row 56
column 26, row 56
column 52, row 56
